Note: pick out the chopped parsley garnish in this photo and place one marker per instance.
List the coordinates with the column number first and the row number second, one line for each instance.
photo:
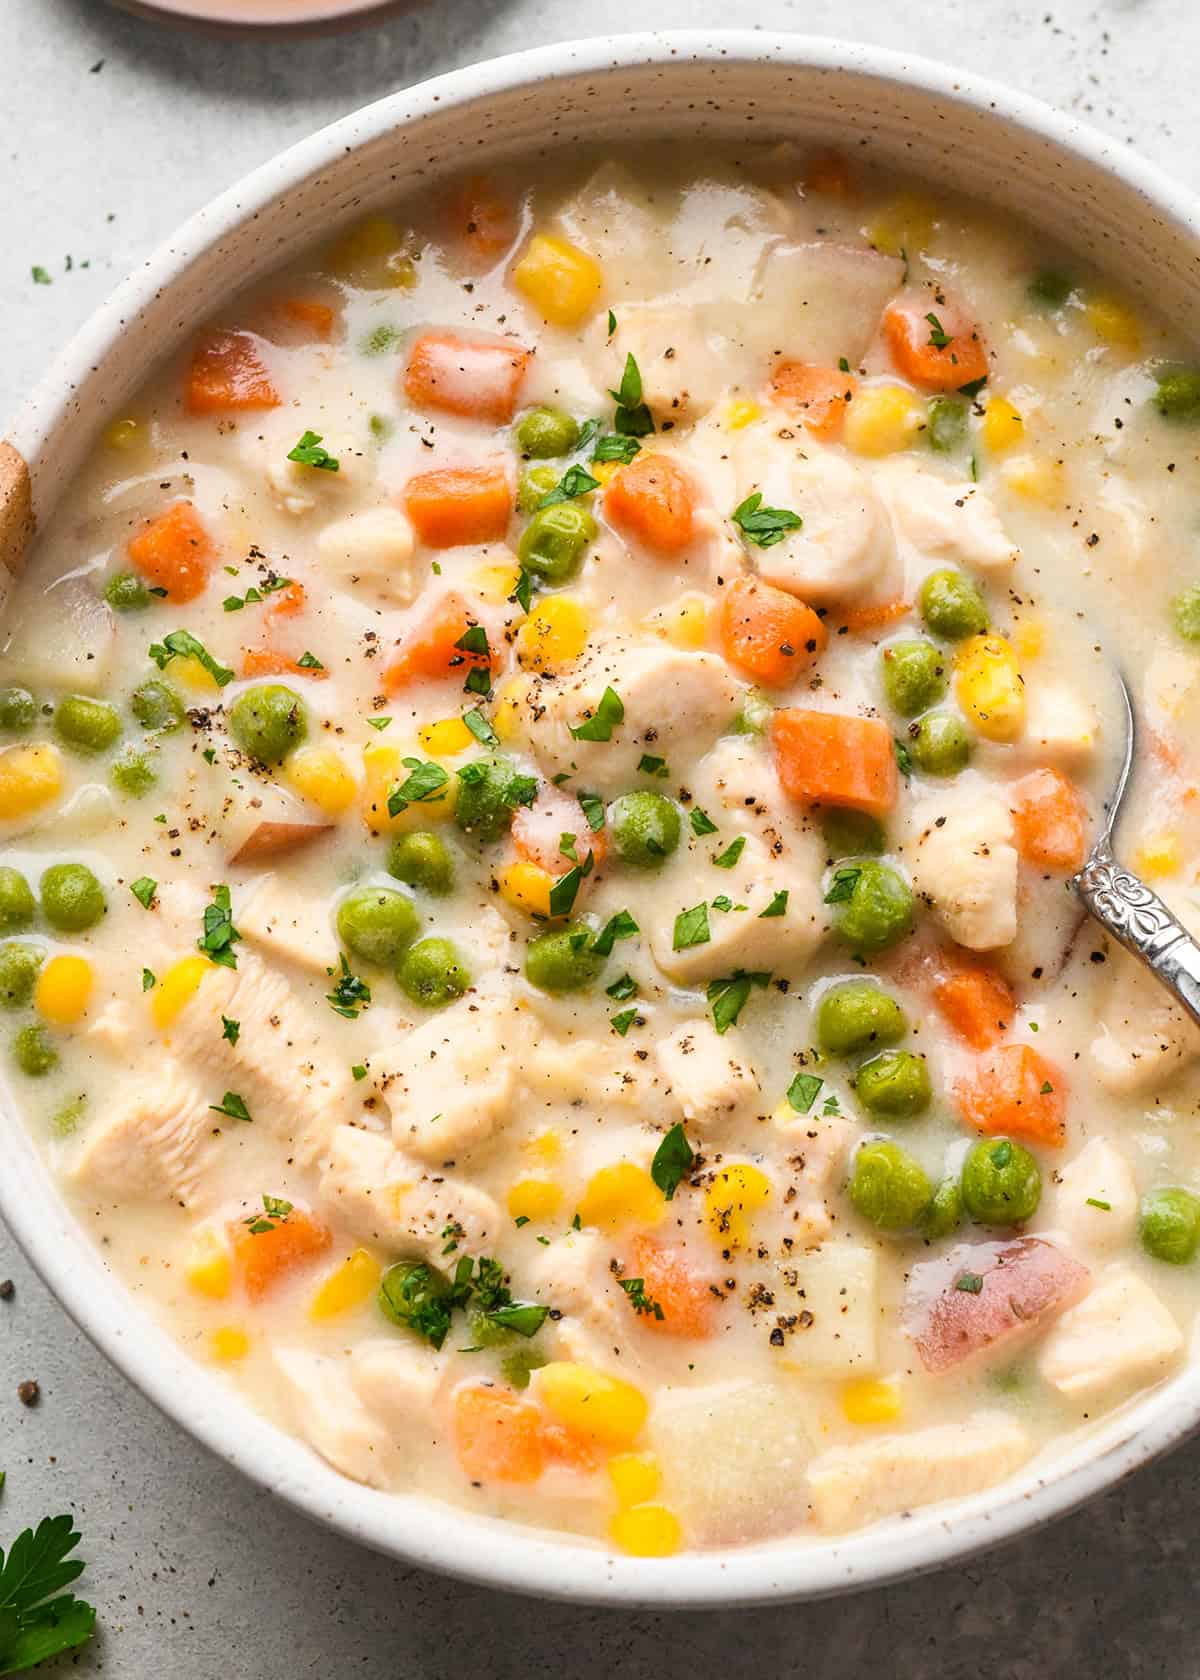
column 903, row 758
column 40, row 276
column 1047, row 1088
column 621, row 1023
column 523, row 593
column 233, row 1106
column 969, row 1282
column 230, row 1030
column 379, row 723
column 566, row 845
column 727, row 998
column 973, row 387
column 521, row 1219
column 620, row 926
column 610, row 711
column 521, row 790
column 309, row 662
column 566, row 889
column 691, row 928
column 1001, row 1154
column 722, row 902
column 732, row 853
column 358, row 1071
column 149, row 979
column 777, row 907
column 474, row 640
column 651, row 765
column 635, row 1288
column 625, row 987
column 593, row 810
column 144, row 889
column 481, row 728
column 672, row 1161
column 830, row 1106
column 275, row 1212
column 803, row 1092
column 843, row 883
column 38, row 1620
column 181, row 644
column 220, row 935
column 633, row 418
column 702, row 823
column 1094, row 1201
column 576, row 481
column 516, row 1366
column 764, row 526
column 843, row 365
column 426, row 780
column 612, row 323
column 235, row 603
column 938, row 336
column 309, row 452
column 611, row 447
column 350, row 995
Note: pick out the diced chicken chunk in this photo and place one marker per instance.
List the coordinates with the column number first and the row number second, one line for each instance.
column 288, row 926
column 1060, row 726
column 371, row 554
column 682, row 351
column 828, row 1302
column 114, row 1027
column 1095, row 1199
column 576, row 1276
column 327, row 1413
column 1119, row 1336
column 984, row 1297
column 153, row 1140
column 388, row 1199
column 817, row 1146
column 398, row 1382
column 712, row 1085
column 853, row 1486
column 945, row 519
column 450, row 1085
column 1145, row 1040
column 845, row 549
column 964, row 863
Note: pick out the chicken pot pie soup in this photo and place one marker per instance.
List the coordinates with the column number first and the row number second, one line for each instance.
column 541, row 767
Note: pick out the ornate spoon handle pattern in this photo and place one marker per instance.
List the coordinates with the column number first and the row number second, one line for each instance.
column 1133, row 914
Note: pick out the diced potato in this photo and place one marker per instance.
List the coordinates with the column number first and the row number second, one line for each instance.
column 1120, row 1334
column 835, row 1286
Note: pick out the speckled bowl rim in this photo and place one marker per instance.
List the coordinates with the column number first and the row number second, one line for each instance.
column 413, row 1528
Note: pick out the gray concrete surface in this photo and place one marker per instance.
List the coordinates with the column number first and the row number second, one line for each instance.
column 111, row 130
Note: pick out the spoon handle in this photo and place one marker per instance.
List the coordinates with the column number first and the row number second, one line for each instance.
column 1135, row 916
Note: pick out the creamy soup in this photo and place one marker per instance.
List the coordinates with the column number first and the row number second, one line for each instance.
column 544, row 757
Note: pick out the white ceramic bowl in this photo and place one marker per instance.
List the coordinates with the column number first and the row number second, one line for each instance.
column 1090, row 192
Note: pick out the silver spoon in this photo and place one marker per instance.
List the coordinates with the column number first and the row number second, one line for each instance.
column 1126, row 907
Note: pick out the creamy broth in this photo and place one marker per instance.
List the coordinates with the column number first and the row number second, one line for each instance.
column 575, row 1006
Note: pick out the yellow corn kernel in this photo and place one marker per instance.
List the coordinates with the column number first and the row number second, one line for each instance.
column 192, row 674
column 353, row 1283
column 646, row 1531
column 527, row 887
column 30, row 777
column 604, row 470
column 684, row 622
column 733, row 1197
column 870, row 1400
column 506, row 712
column 209, row 1266
column 555, row 633
column 989, row 687
column 1158, row 855
column 589, row 1402
column 883, row 419
column 228, row 1344
column 383, row 770
column 534, row 1198
column 741, row 414
column 124, row 434
column 622, row 1194
column 320, row 774
column 1002, row 426
column 561, row 282
column 63, row 990
column 178, row 984
column 904, row 227
column 1036, row 477
column 373, row 255
column 1113, row 321
column 1030, row 639
column 636, row 1477
column 446, row 738
column 496, row 583
column 546, row 1146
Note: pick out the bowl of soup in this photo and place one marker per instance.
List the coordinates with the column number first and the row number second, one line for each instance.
column 558, row 665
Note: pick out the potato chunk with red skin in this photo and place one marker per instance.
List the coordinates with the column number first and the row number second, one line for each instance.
column 983, row 1296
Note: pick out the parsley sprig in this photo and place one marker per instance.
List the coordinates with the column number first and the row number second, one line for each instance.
column 764, row 526
column 181, row 644
column 309, row 452
column 38, row 1620
column 219, row 935
column 632, row 418
column 350, row 995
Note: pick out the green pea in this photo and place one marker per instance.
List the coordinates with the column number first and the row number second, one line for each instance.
column 887, row 1187
column 18, row 709
column 134, row 773
column 946, row 425
column 156, row 705
column 851, row 834
column 943, row 1216
column 855, row 1014
column 938, row 744
column 645, row 828
column 563, row 960
column 1178, row 394
column 33, row 1052
column 72, row 898
column 545, row 432
column 1169, row 1225
column 17, row 903
column 422, row 859
column 914, row 676
column 87, row 725
column 267, row 721
column 484, row 809
column 533, row 484
column 754, row 715
column 1050, row 288
column 19, row 965
column 552, row 544
column 1001, row 1182
column 878, row 910
column 416, row 1296
column 377, row 924
column 516, row 1366
column 952, row 606
column 432, row 973
column 1185, row 610
column 895, row 1083
column 126, row 592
